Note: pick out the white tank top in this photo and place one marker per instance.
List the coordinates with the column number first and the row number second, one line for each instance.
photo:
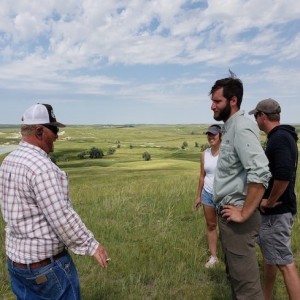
column 210, row 164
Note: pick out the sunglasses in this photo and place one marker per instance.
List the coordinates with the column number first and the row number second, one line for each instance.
column 257, row 114
column 54, row 129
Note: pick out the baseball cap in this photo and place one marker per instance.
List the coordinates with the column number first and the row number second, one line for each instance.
column 267, row 106
column 40, row 114
column 214, row 129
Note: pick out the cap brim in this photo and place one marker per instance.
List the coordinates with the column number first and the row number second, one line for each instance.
column 252, row 112
column 212, row 132
column 57, row 124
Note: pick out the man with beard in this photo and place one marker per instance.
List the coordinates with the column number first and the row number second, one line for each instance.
column 241, row 178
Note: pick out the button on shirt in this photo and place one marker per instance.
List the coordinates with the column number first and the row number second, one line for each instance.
column 40, row 220
column 241, row 161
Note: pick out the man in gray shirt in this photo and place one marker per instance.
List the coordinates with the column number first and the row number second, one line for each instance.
column 241, row 178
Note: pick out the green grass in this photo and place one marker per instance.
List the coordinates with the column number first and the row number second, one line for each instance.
column 142, row 212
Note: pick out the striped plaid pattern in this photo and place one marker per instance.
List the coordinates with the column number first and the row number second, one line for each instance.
column 40, row 220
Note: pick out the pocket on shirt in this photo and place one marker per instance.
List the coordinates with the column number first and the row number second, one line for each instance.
column 227, row 158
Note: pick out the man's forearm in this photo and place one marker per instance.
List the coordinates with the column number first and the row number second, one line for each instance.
column 278, row 189
column 254, row 196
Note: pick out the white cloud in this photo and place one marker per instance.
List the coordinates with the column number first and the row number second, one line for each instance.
column 147, row 50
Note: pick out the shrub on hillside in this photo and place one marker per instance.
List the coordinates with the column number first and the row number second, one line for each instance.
column 92, row 153
column 111, row 151
column 204, row 147
column 146, row 156
column 83, row 155
column 184, row 145
column 96, row 153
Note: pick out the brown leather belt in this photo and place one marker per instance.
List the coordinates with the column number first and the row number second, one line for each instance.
column 38, row 264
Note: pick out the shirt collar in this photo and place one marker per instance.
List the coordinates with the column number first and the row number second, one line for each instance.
column 35, row 148
column 232, row 118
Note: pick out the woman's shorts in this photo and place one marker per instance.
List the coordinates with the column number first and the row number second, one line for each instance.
column 207, row 198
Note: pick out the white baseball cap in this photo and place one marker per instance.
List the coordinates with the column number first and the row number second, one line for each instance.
column 40, row 114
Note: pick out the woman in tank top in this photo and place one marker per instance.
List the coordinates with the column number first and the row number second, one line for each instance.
column 208, row 161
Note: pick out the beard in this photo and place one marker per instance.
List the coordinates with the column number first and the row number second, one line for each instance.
column 224, row 114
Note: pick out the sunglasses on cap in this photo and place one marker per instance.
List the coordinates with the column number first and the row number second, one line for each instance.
column 54, row 129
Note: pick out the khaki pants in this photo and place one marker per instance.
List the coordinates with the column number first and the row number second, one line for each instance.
column 238, row 243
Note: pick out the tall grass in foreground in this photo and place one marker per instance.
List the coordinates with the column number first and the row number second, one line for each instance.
column 155, row 239
column 143, row 214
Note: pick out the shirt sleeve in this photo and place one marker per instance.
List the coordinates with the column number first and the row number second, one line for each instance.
column 281, row 155
column 252, row 155
column 51, row 189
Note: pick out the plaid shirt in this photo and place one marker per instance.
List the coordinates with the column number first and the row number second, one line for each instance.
column 40, row 220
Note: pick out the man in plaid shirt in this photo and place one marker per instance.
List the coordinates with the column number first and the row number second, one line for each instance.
column 40, row 221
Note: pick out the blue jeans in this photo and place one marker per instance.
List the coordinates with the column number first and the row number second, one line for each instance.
column 58, row 280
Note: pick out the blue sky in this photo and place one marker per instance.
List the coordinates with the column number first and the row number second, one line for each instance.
column 145, row 61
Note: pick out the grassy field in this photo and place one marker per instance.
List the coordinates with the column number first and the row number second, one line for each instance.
column 142, row 212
